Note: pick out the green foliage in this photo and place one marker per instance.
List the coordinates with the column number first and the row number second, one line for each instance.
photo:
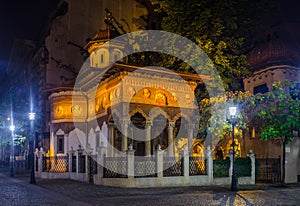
column 214, row 114
column 225, row 30
column 275, row 113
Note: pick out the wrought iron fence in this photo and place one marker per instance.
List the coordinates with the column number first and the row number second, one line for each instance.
column 268, row 170
column 93, row 164
column 56, row 164
column 172, row 167
column 115, row 167
column 81, row 164
column 243, row 167
column 221, row 167
column 145, row 167
column 197, row 166
column 74, row 163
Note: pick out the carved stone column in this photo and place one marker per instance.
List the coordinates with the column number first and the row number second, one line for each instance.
column 111, row 137
column 148, row 138
column 170, row 150
column 124, row 124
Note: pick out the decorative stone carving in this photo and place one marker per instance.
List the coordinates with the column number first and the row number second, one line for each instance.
column 146, row 93
column 160, row 99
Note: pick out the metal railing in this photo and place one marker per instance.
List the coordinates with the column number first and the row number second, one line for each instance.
column 145, row 167
column 197, row 166
column 115, row 167
column 56, row 164
column 172, row 167
column 221, row 167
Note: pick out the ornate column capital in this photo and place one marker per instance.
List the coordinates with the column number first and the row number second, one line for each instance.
column 171, row 124
column 149, row 123
column 111, row 124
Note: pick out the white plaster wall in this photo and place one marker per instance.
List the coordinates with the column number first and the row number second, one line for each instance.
column 104, row 135
column 92, row 140
column 76, row 137
column 292, row 154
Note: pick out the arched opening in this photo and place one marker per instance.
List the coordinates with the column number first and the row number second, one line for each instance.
column 117, row 134
column 137, row 133
column 180, row 135
column 159, row 132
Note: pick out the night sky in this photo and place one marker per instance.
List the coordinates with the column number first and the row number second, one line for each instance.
column 24, row 19
column 20, row 19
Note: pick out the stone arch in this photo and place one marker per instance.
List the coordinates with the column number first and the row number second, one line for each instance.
column 59, row 132
column 138, row 110
column 136, row 133
column 179, row 115
column 159, row 133
column 155, row 112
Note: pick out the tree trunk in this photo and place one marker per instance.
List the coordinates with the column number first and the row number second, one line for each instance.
column 283, row 160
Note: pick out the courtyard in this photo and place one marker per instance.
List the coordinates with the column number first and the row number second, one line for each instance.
column 18, row 191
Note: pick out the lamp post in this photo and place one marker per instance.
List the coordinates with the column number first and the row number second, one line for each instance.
column 12, row 160
column 232, row 112
column 31, row 148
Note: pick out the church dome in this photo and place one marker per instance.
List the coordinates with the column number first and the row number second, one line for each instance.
column 281, row 46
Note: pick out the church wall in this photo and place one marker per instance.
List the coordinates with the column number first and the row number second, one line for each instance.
column 270, row 75
column 76, row 138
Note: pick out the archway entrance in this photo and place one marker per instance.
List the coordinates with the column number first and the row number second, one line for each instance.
column 137, row 135
column 159, row 132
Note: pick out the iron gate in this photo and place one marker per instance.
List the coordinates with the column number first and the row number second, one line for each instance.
column 268, row 170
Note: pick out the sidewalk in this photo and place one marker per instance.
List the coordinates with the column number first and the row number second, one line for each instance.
column 68, row 192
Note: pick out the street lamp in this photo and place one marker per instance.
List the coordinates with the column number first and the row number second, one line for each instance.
column 232, row 112
column 31, row 116
column 12, row 161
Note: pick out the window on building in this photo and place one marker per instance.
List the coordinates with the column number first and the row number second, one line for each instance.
column 260, row 89
column 60, row 144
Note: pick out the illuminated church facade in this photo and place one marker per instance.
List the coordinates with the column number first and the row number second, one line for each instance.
column 122, row 105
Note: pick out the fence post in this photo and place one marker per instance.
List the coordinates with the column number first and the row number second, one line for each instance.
column 159, row 162
column 230, row 155
column 210, row 171
column 251, row 155
column 78, row 154
column 186, row 162
column 130, row 161
column 100, row 160
column 88, row 162
column 40, row 160
column 71, row 153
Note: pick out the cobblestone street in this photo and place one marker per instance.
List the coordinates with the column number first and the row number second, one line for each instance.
column 18, row 191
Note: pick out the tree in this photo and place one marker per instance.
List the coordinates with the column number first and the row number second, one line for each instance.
column 275, row 114
column 214, row 115
column 226, row 30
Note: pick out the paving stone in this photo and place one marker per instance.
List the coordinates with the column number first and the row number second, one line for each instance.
column 18, row 191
